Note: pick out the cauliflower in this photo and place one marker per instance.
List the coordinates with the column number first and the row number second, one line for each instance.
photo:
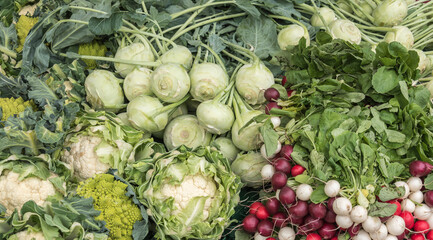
column 117, row 209
column 28, row 235
column 11, row 106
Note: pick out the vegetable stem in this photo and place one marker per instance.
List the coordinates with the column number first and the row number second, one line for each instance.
column 8, row 52
column 234, row 57
column 192, row 9
column 109, row 59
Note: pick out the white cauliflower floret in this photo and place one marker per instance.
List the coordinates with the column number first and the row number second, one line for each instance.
column 191, row 187
column 83, row 157
column 14, row 193
column 27, row 235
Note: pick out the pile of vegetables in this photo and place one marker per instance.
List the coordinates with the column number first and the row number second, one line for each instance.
column 263, row 119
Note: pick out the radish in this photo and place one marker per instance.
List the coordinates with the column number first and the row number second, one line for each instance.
column 417, row 197
column 372, row 224
column 265, row 228
column 270, row 106
column 327, row 231
column 332, row 188
column 304, row 191
column 312, row 223
column 406, row 188
column 396, row 225
column 420, row 168
column 297, row 170
column 272, row 205
column 421, row 226
column 391, row 237
column 342, row 206
column 279, row 180
column 270, row 238
column 257, row 236
column 422, row 212
column 300, row 209
column 295, row 220
column 317, row 210
column 417, row 236
column 408, row 205
column 330, row 203
column 272, row 94
column 414, row 183
column 362, row 235
column 408, row 219
column 276, row 121
column 313, row 236
column 262, row 213
column 358, row 214
column 286, row 233
column 287, row 196
column 398, row 210
column 250, row 223
column 280, row 219
column 286, row 151
column 283, row 165
column 430, row 235
column 380, row 234
column 428, row 198
column 354, row 230
column 430, row 220
column 343, row 221
column 255, row 206
column 330, row 216
column 277, row 194
column 265, row 155
column 267, row 172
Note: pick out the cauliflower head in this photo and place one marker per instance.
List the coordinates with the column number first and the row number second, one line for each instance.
column 28, row 235
column 117, row 209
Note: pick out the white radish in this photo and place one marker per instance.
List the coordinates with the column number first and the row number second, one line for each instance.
column 257, row 236
column 286, row 233
column 267, row 172
column 417, row 197
column 396, row 225
column 277, row 194
column 406, row 188
column 391, row 237
column 362, row 235
column 276, row 121
column 343, row 221
column 372, row 224
column 422, row 212
column 408, row 205
column 380, row 234
column 332, row 188
column 430, row 220
column 342, row 206
column 359, row 214
column 414, row 183
column 304, row 191
column 263, row 151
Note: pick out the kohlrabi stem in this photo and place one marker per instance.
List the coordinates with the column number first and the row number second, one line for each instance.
column 156, row 36
column 316, row 10
column 146, row 41
column 240, row 49
column 367, row 38
column 197, row 56
column 306, row 7
column 234, row 57
column 161, row 47
column 173, row 105
column 419, row 44
column 8, row 52
column 197, row 21
column 87, row 9
column 342, row 14
column 359, row 8
column 192, row 9
column 115, row 60
column 290, row 20
column 216, row 55
column 426, row 33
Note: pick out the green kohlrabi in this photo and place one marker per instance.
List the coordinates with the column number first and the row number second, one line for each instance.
column 346, row 30
column 226, row 147
column 401, row 34
column 137, row 83
column 178, row 54
column 138, row 51
column 390, row 13
column 290, row 36
column 327, row 14
column 207, row 80
column 248, row 166
column 170, row 82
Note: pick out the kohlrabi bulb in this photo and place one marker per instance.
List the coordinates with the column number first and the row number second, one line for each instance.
column 207, row 80
column 248, row 166
column 226, row 147
column 136, row 52
column 290, row 36
column 178, row 54
column 401, row 34
column 137, row 83
column 343, row 5
column 408, row 2
column 170, row 82
column 327, row 14
column 429, row 86
column 252, row 80
column 144, row 114
column 215, row 117
column 249, row 138
column 424, row 61
column 346, row 30
column 366, row 8
column 123, row 117
column 390, row 13
column 185, row 130
column 103, row 91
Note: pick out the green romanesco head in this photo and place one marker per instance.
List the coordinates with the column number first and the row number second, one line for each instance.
column 93, row 49
column 117, row 210
column 23, row 27
column 12, row 106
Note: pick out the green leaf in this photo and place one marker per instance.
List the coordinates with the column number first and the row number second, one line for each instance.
column 318, row 195
column 428, row 182
column 46, row 136
column 106, row 26
column 40, row 91
column 304, row 178
column 381, row 209
column 388, row 193
column 395, row 136
column 385, row 80
column 270, row 137
column 248, row 7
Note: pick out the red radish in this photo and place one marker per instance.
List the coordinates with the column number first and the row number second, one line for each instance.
column 271, row 105
column 430, row 235
column 255, row 206
column 408, row 219
column 428, row 198
column 284, row 81
column 313, row 236
column 327, row 231
column 262, row 213
column 280, row 219
column 250, row 223
column 330, row 217
column 290, row 92
column 265, row 228
column 420, row 168
column 270, row 238
column 279, row 180
column 330, row 203
column 287, row 196
column 402, row 236
column 272, row 94
column 421, row 226
column 334, row 238
column 286, row 151
column 272, row 205
column 297, row 170
column 354, row 230
column 417, row 236
column 296, row 220
column 300, row 209
column 312, row 224
column 398, row 211
column 282, row 165
column 317, row 210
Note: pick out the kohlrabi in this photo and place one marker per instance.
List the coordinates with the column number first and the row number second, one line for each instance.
column 424, row 61
column 390, row 13
column 178, row 54
column 207, row 80
column 170, row 82
column 181, row 110
column 346, row 30
column 103, row 91
column 327, row 14
column 185, row 130
column 226, row 147
column 401, row 34
column 138, row 51
column 248, row 166
column 290, row 36
column 137, row 83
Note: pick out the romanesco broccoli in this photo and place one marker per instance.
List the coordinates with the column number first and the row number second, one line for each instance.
column 23, row 27
column 117, row 210
column 93, row 49
column 12, row 106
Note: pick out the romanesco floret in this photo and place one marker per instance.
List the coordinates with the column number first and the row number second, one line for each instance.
column 117, row 210
column 23, row 27
column 93, row 49
column 12, row 106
